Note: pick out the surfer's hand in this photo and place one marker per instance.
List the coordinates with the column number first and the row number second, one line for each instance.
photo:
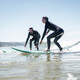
column 40, row 42
column 24, row 45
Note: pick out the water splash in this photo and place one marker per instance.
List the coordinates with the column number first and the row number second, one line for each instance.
column 71, row 77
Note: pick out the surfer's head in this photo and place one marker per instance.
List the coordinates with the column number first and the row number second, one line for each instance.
column 44, row 19
column 31, row 30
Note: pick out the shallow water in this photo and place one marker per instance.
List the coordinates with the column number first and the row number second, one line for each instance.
column 22, row 66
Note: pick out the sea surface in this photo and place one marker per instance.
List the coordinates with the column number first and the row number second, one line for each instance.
column 16, row 65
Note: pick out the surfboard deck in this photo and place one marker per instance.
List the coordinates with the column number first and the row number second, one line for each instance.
column 29, row 51
column 41, row 52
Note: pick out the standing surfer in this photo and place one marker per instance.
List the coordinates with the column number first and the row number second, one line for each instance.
column 57, row 34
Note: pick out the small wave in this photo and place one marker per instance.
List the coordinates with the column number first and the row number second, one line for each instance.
column 70, row 46
column 73, row 47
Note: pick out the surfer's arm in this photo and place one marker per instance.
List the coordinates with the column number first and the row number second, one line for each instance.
column 27, row 38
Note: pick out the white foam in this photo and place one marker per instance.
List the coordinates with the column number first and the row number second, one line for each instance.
column 68, row 46
column 71, row 77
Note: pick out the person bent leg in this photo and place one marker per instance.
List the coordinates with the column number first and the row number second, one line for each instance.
column 49, row 40
column 57, row 36
column 55, row 41
column 36, row 42
column 61, row 32
column 31, row 43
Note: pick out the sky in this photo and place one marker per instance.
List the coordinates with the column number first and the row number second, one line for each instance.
column 16, row 16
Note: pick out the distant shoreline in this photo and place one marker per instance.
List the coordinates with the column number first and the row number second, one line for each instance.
column 7, row 44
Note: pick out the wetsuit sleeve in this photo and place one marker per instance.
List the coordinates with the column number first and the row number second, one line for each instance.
column 27, row 38
column 44, row 33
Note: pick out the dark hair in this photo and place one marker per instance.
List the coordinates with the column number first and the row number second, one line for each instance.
column 30, row 28
column 46, row 18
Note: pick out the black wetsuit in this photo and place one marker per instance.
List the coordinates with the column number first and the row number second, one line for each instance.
column 35, row 38
column 58, row 32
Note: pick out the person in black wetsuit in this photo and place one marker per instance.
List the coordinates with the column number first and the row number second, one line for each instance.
column 35, row 38
column 57, row 34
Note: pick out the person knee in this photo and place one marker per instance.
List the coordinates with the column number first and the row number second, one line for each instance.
column 55, row 41
column 34, row 43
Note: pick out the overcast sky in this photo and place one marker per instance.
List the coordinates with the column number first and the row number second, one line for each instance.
column 16, row 16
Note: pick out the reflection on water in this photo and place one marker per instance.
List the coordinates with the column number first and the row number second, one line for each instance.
column 23, row 66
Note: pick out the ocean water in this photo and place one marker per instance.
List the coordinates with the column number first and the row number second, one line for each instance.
column 15, row 65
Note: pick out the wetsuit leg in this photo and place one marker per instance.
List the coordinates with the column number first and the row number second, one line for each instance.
column 55, row 34
column 55, row 41
column 59, row 35
column 36, row 42
column 48, row 39
column 31, row 43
